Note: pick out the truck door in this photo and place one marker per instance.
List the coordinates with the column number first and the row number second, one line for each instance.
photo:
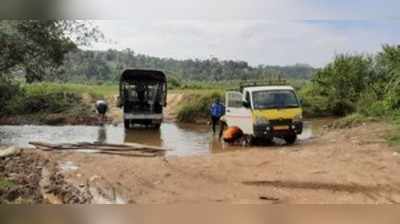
column 236, row 114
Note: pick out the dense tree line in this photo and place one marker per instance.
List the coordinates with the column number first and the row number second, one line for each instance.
column 48, row 50
column 107, row 65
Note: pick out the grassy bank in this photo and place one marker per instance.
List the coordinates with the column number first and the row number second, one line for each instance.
column 357, row 119
column 97, row 91
column 352, row 120
column 195, row 105
column 4, row 184
column 51, row 103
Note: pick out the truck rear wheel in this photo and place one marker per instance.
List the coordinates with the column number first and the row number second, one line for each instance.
column 290, row 139
column 127, row 124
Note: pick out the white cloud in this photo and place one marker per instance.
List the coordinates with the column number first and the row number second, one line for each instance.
column 259, row 42
column 258, row 31
column 234, row 9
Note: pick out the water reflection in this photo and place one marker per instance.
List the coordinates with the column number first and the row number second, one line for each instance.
column 144, row 136
column 102, row 134
column 183, row 139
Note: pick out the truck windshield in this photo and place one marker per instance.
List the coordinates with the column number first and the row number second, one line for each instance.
column 275, row 99
column 143, row 92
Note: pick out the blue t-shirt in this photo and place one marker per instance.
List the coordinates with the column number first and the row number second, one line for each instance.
column 217, row 110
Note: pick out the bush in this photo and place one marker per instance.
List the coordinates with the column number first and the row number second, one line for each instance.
column 42, row 98
column 343, row 81
column 173, row 83
column 49, row 98
column 9, row 90
column 314, row 105
column 196, row 106
column 4, row 184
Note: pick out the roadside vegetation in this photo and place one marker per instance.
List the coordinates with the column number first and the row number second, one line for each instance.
column 36, row 101
column 4, row 184
column 358, row 88
column 40, row 99
column 195, row 106
column 368, row 85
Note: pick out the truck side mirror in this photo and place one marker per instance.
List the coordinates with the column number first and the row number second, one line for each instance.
column 301, row 102
column 246, row 104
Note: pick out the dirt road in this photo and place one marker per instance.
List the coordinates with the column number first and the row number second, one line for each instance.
column 341, row 166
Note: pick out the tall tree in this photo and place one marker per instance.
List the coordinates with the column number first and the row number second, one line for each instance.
column 36, row 47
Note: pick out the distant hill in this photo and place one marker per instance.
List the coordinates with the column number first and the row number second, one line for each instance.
column 107, row 65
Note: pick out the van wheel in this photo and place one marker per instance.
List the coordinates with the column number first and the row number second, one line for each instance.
column 268, row 141
column 127, row 124
column 248, row 140
column 290, row 139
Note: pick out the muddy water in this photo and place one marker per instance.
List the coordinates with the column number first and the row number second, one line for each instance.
column 182, row 139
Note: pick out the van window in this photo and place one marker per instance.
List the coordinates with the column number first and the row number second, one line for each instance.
column 275, row 99
column 234, row 100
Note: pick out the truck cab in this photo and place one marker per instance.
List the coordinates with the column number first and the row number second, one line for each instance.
column 143, row 94
column 265, row 112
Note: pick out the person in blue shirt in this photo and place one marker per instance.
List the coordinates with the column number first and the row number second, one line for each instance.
column 217, row 110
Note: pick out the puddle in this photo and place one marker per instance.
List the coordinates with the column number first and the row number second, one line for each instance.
column 101, row 197
column 68, row 166
column 182, row 139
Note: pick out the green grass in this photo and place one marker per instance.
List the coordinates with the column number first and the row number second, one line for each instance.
column 197, row 91
column 356, row 119
column 4, row 184
column 97, row 91
column 45, row 98
column 352, row 120
column 393, row 137
column 195, row 105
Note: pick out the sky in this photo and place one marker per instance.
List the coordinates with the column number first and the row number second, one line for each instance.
column 271, row 32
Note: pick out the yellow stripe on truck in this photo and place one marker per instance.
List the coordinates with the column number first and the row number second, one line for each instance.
column 276, row 114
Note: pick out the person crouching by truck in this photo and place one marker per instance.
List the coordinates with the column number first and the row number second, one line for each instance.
column 102, row 108
column 217, row 110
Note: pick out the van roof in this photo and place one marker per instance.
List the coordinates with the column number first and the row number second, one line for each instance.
column 143, row 75
column 264, row 88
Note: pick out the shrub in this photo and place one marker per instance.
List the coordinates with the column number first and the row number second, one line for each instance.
column 173, row 83
column 49, row 98
column 313, row 104
column 342, row 81
column 4, row 184
column 196, row 106
column 42, row 98
column 9, row 90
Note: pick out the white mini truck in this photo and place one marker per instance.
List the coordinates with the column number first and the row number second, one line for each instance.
column 265, row 112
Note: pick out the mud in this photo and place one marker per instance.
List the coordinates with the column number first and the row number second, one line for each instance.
column 350, row 166
column 30, row 185
column 25, row 174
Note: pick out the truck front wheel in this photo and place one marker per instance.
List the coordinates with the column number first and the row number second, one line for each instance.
column 290, row 139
